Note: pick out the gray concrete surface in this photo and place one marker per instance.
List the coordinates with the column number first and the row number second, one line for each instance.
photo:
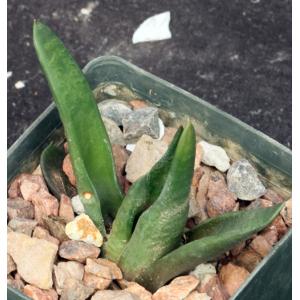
column 234, row 54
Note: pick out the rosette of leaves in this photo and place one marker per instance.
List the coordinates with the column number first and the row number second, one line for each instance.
column 146, row 238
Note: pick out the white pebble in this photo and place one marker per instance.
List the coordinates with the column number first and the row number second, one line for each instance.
column 155, row 28
column 215, row 156
column 202, row 270
column 19, row 84
column 77, row 205
column 85, row 11
column 130, row 147
column 9, row 74
column 161, row 129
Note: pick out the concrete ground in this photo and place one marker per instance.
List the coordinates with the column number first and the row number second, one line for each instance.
column 234, row 54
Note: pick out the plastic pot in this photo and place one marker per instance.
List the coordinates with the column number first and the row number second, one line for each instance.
column 272, row 278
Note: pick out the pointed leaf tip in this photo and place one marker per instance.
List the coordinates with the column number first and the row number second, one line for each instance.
column 208, row 240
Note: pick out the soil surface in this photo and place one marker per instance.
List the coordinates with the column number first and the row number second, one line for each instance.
column 234, row 54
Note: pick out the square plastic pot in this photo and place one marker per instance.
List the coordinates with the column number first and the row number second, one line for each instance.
column 273, row 276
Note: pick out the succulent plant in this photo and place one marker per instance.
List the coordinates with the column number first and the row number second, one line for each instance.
column 149, row 222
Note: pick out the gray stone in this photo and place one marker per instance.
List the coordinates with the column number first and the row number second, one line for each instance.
column 139, row 122
column 243, row 181
column 114, row 132
column 22, row 225
column 114, row 295
column 145, row 154
column 19, row 208
column 115, row 110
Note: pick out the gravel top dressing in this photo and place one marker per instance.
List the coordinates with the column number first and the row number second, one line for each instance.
column 132, row 201
column 54, row 248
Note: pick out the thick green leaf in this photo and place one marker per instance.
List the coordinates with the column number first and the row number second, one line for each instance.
column 88, row 141
column 159, row 228
column 51, row 164
column 140, row 196
column 245, row 221
column 210, row 239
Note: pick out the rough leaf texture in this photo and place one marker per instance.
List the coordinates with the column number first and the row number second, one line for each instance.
column 88, row 141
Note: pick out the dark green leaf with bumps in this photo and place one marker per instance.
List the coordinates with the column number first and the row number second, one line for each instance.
column 88, row 141
column 210, row 239
column 140, row 196
column 159, row 228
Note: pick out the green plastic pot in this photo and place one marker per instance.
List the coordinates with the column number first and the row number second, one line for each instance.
column 272, row 278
